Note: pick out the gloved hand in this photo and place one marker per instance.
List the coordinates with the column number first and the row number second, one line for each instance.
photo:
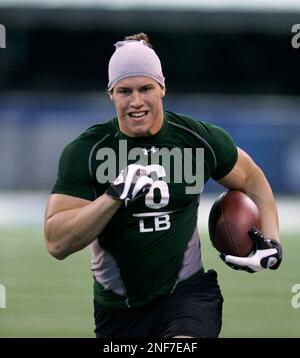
column 132, row 182
column 268, row 254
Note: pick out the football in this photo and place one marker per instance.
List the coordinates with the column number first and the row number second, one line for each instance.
column 231, row 216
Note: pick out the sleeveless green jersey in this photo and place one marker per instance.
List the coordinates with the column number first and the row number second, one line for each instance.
column 152, row 245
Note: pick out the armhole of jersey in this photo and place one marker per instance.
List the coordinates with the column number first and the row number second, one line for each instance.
column 92, row 151
column 201, row 139
column 90, row 160
column 228, row 169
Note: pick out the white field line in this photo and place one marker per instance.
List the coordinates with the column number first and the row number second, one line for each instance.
column 27, row 208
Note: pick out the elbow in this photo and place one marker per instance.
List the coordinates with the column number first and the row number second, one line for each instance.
column 58, row 255
column 56, row 250
column 55, row 246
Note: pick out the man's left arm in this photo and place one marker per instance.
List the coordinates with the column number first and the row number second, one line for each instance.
column 246, row 176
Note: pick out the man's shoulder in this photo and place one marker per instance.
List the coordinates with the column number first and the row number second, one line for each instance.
column 102, row 134
column 99, row 130
column 95, row 134
column 188, row 123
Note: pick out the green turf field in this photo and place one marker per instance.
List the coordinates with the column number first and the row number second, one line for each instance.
column 50, row 298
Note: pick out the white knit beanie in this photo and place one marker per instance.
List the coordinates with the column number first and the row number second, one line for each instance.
column 134, row 58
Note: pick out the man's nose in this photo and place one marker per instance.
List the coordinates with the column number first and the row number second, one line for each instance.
column 136, row 99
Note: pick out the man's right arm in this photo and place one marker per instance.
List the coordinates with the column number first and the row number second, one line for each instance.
column 72, row 223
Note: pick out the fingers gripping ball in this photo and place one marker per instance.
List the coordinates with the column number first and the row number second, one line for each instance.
column 267, row 254
column 132, row 182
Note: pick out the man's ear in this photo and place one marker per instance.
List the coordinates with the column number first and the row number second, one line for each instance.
column 163, row 91
column 110, row 93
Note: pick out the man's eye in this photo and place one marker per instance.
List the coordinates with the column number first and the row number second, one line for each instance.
column 146, row 89
column 124, row 91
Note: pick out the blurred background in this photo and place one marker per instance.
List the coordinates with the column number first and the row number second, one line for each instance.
column 234, row 63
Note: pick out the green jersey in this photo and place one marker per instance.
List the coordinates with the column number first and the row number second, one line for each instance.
column 152, row 245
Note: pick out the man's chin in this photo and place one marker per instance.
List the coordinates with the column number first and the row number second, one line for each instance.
column 139, row 129
column 140, row 132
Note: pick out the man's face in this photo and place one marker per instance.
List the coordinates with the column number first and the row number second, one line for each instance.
column 138, row 102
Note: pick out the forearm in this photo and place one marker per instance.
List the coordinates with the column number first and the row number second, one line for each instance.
column 71, row 230
column 259, row 190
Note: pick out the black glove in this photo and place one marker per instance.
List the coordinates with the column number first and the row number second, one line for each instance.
column 132, row 182
column 268, row 254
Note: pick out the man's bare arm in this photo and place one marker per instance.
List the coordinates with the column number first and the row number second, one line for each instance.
column 249, row 178
column 72, row 223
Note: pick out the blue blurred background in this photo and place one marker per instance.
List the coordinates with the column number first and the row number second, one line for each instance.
column 233, row 66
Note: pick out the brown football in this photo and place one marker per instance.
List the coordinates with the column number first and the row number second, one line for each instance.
column 231, row 216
